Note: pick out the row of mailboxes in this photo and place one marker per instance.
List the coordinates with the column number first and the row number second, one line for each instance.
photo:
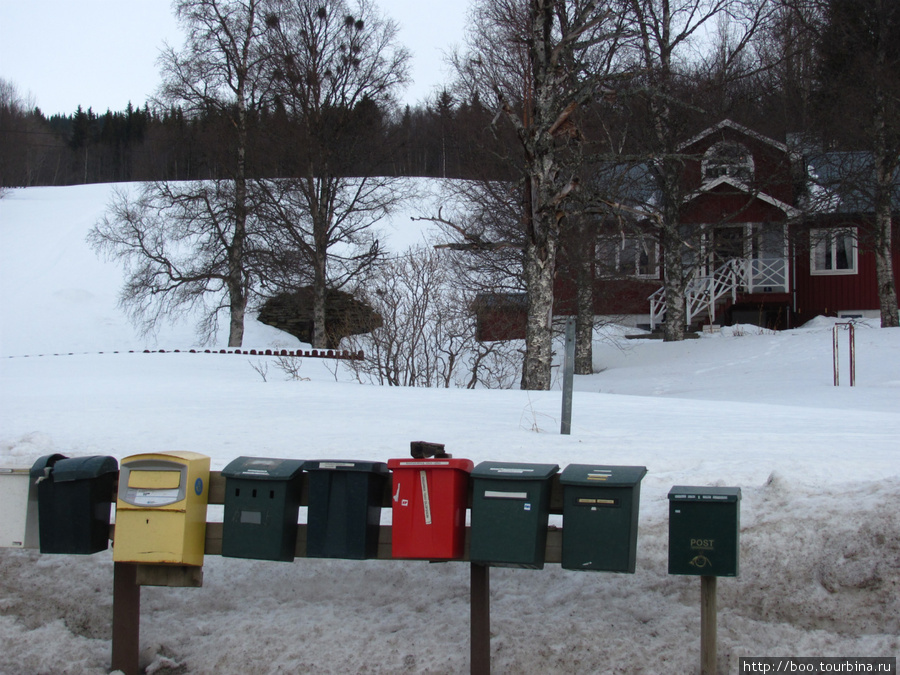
column 162, row 498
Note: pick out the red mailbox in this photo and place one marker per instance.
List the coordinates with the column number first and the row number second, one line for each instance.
column 429, row 498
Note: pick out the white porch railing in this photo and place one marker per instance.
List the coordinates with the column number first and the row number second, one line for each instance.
column 704, row 292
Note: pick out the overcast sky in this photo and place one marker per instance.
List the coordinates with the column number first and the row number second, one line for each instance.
column 102, row 53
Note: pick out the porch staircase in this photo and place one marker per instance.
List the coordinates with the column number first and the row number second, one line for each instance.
column 705, row 293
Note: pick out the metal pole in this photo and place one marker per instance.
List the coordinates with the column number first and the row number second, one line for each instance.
column 834, row 349
column 480, row 622
column 568, row 377
column 852, row 357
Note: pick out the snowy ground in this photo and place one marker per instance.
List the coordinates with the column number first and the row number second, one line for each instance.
column 819, row 468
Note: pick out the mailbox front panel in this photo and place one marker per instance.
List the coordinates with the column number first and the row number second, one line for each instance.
column 704, row 533
column 344, row 513
column 18, row 509
column 429, row 508
column 600, row 526
column 161, row 508
column 260, row 519
column 509, row 522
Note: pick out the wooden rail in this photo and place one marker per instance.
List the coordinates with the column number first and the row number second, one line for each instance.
column 129, row 577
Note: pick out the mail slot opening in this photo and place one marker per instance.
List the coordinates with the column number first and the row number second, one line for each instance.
column 154, row 480
column 608, row 503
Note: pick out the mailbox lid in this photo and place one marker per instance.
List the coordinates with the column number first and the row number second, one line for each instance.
column 44, row 466
column 683, row 493
column 83, row 468
column 443, row 463
column 514, row 471
column 263, row 468
column 602, row 475
column 379, row 468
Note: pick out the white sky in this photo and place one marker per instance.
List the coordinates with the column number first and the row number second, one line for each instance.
column 102, row 53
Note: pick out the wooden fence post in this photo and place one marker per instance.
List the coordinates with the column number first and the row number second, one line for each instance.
column 480, row 606
column 708, row 620
column 126, row 618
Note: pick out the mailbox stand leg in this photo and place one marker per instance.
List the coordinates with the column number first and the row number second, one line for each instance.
column 480, row 606
column 126, row 618
column 708, row 618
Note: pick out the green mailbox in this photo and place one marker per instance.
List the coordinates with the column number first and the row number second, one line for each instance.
column 262, row 501
column 510, row 510
column 704, row 530
column 600, row 517
column 344, row 513
column 74, row 502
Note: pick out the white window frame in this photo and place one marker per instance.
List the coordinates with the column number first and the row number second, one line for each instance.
column 822, row 239
column 619, row 245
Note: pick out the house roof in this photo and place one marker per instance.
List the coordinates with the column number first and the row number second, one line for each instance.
column 844, row 183
column 712, row 185
column 738, row 128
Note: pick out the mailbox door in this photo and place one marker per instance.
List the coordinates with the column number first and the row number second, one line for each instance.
column 262, row 502
column 704, row 531
column 18, row 509
column 429, row 508
column 600, row 528
column 600, row 517
column 344, row 508
column 510, row 511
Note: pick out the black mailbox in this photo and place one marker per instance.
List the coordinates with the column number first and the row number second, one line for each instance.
column 510, row 510
column 344, row 509
column 600, row 517
column 704, row 530
column 262, row 501
column 74, row 502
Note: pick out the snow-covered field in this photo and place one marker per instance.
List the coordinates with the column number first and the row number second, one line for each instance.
column 819, row 468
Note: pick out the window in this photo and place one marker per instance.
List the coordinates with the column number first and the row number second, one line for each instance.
column 728, row 159
column 629, row 256
column 833, row 251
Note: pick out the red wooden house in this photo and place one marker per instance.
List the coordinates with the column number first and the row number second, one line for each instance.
column 780, row 238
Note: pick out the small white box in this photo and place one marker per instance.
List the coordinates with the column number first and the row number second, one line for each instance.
column 18, row 509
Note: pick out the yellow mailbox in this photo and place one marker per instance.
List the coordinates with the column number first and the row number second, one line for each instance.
column 161, row 508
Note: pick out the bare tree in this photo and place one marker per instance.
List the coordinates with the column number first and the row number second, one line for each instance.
column 540, row 61
column 174, row 239
column 860, row 79
column 220, row 69
column 336, row 65
column 427, row 336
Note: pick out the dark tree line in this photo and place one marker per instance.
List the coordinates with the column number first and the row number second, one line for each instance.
column 444, row 138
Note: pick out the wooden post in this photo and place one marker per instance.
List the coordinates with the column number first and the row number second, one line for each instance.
column 126, row 618
column 480, row 606
column 708, row 618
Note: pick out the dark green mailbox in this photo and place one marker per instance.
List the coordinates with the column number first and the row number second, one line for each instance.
column 344, row 512
column 510, row 509
column 74, row 501
column 262, row 500
column 704, row 530
column 600, row 517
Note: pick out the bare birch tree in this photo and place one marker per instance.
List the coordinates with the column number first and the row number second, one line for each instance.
column 336, row 65
column 539, row 61
column 221, row 68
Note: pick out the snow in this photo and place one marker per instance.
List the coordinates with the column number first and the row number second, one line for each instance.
column 817, row 464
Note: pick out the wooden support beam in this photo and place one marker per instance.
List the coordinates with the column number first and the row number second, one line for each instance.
column 126, row 619
column 708, row 620
column 480, row 623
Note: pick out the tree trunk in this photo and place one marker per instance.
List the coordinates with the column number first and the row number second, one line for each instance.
column 320, row 293
column 674, row 285
column 885, row 166
column 884, row 266
column 584, row 297
column 538, row 335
